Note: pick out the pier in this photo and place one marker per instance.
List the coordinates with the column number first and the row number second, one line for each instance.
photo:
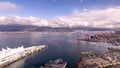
column 8, row 56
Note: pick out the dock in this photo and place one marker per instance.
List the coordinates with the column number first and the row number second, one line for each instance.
column 113, row 38
column 11, row 55
column 105, row 60
column 58, row 63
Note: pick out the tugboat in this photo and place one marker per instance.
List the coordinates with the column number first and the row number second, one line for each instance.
column 58, row 63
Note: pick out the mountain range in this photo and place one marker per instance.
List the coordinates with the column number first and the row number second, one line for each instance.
column 16, row 27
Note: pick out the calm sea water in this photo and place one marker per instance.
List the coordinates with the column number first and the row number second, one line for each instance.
column 60, row 45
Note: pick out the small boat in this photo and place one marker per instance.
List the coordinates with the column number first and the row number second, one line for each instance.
column 86, row 52
column 78, row 36
column 58, row 63
column 78, row 39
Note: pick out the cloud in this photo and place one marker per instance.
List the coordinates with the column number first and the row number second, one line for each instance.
column 81, row 1
column 5, row 20
column 8, row 6
column 54, row 0
column 107, row 18
column 76, row 10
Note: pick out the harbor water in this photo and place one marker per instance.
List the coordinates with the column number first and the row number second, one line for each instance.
column 60, row 45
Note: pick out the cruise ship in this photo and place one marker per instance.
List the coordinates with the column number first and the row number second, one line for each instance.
column 10, row 55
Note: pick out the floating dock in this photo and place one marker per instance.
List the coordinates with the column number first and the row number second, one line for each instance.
column 8, row 56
